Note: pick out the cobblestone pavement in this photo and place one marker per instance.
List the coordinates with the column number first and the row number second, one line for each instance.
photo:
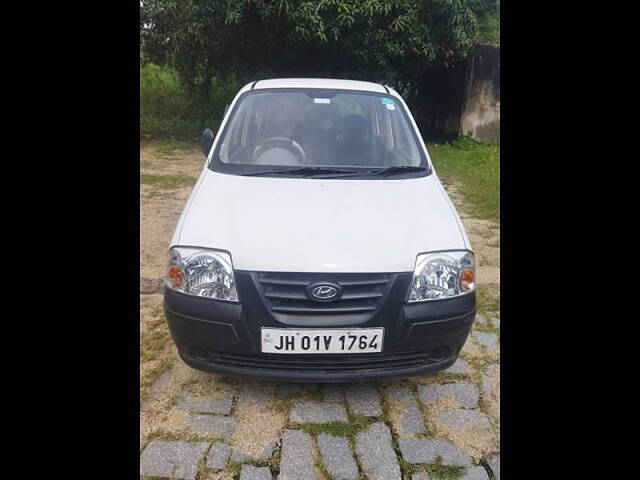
column 201, row 426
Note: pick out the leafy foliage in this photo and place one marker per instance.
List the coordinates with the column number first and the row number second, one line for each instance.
column 167, row 107
column 392, row 41
column 489, row 32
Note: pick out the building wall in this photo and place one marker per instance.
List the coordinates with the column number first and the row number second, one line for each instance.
column 464, row 99
column 480, row 116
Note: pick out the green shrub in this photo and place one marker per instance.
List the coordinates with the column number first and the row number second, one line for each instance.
column 167, row 109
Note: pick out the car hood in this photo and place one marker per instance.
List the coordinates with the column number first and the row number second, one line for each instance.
column 320, row 225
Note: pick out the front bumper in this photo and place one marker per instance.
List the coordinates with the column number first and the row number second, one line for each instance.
column 224, row 337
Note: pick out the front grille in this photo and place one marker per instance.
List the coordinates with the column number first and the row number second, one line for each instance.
column 287, row 293
column 320, row 363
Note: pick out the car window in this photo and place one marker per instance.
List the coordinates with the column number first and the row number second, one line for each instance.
column 319, row 128
column 404, row 143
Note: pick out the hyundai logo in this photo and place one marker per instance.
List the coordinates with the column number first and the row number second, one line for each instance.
column 324, row 292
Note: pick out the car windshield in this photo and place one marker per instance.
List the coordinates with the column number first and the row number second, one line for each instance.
column 331, row 129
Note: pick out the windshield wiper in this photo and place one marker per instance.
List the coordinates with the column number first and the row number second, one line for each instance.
column 304, row 171
column 397, row 169
column 394, row 170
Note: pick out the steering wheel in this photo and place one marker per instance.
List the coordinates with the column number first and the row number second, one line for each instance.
column 280, row 142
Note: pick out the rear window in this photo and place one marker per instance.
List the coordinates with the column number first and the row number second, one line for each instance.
column 318, row 128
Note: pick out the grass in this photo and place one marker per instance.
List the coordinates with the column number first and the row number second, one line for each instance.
column 156, row 337
column 167, row 182
column 487, row 328
column 185, row 434
column 488, row 300
column 313, row 392
column 438, row 471
column 234, row 469
column 478, row 363
column 407, row 468
column 281, row 404
column 476, row 167
column 150, row 375
column 348, row 429
column 338, row 429
column 323, row 470
column 152, row 346
column 167, row 145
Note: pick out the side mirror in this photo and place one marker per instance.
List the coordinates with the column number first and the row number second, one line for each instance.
column 206, row 141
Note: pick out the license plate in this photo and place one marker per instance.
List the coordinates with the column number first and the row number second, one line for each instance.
column 308, row 340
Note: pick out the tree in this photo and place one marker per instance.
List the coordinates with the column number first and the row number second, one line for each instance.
column 392, row 41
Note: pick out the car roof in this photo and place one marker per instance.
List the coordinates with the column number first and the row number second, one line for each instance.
column 329, row 83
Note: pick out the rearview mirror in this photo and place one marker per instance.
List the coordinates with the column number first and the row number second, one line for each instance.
column 206, row 141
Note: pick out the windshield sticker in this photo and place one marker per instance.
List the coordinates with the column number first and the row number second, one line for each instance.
column 388, row 103
column 322, row 100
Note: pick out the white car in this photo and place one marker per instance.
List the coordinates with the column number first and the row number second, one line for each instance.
column 318, row 243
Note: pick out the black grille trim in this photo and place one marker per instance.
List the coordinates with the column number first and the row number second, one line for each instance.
column 318, row 363
column 286, row 293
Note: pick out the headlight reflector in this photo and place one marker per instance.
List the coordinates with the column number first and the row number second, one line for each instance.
column 442, row 275
column 201, row 272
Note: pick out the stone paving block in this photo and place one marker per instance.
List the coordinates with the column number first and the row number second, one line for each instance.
column 218, row 455
column 460, row 419
column 160, row 385
column 157, row 389
column 487, row 383
column 297, row 461
column 290, row 389
column 332, row 393
column 427, row 450
column 466, row 394
column 311, row 411
column 494, row 464
column 496, row 322
column 475, row 473
column 239, row 457
column 212, row 425
column 375, row 452
column 219, row 405
column 363, row 399
column 267, row 452
column 249, row 472
column 420, row 476
column 406, row 416
column 489, row 340
column 459, row 367
column 255, row 394
column 172, row 459
column 481, row 319
column 337, row 457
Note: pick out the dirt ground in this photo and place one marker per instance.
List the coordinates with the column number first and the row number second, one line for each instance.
column 165, row 379
column 161, row 208
column 484, row 236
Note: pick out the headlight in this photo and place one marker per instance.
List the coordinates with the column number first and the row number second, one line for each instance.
column 442, row 275
column 201, row 272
